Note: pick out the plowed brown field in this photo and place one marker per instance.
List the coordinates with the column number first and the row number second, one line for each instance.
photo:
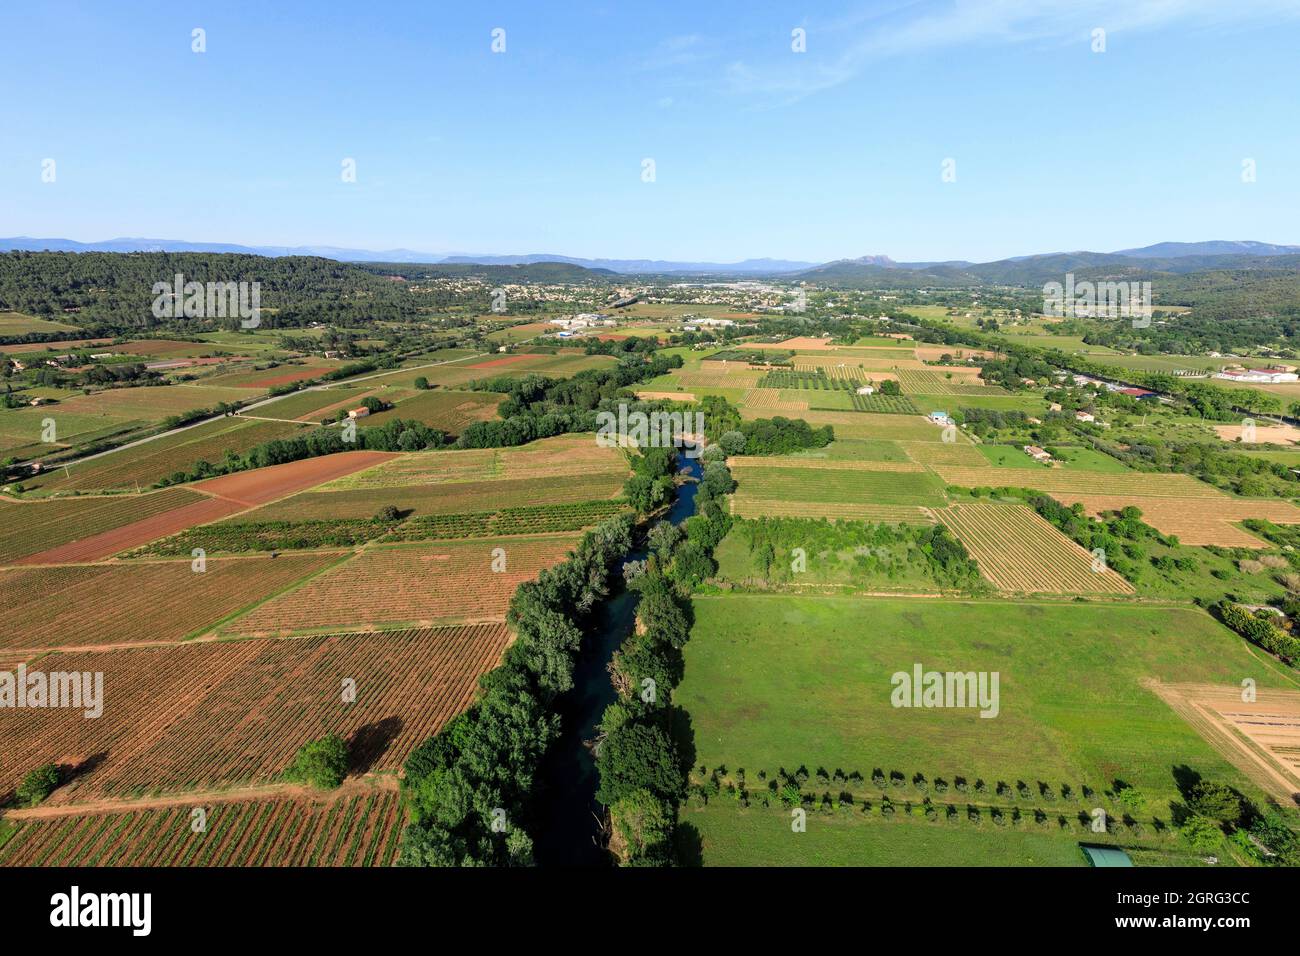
column 257, row 487
column 440, row 582
column 100, row 604
column 347, row 828
column 217, row 714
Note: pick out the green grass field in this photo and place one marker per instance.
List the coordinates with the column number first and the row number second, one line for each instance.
column 840, row 486
column 15, row 323
column 722, row 834
column 782, row 681
column 856, row 449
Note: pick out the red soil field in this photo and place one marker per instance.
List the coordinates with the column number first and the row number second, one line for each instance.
column 215, row 714
column 262, row 485
column 230, row 495
column 504, row 360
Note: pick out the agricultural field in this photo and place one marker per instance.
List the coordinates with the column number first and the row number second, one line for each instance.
column 937, row 455
column 761, row 837
column 23, row 430
column 449, row 411
column 878, row 491
column 312, row 404
column 947, row 382
column 567, row 469
column 1060, row 481
column 866, row 425
column 1195, row 521
column 1260, row 736
column 15, row 323
column 216, row 715
column 410, row 585
column 123, row 603
column 1017, row 550
column 353, row 827
column 143, row 465
column 285, row 373
column 1075, row 706
column 31, row 527
column 521, row 333
column 535, row 519
column 855, row 449
column 867, row 365
column 449, row 498
column 775, row 401
column 153, row 403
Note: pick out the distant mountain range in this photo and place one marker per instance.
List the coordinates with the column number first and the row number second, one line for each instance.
column 1175, row 257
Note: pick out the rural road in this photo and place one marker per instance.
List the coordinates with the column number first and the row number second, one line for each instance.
column 258, row 404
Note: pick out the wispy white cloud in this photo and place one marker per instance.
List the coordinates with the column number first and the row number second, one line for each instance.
column 676, row 51
column 841, row 49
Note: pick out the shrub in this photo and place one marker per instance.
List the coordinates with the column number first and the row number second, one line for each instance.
column 38, row 784
column 323, row 763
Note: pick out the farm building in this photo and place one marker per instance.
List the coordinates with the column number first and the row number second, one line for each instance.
column 1267, row 375
column 865, row 390
column 1105, row 855
column 361, row 412
column 1036, row 453
column 1085, row 416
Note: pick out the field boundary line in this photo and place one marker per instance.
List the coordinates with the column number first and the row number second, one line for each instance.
column 348, row 789
column 213, row 628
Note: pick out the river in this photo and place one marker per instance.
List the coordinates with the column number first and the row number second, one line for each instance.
column 569, row 817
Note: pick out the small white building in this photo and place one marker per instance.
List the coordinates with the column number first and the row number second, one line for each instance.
column 940, row 418
column 1085, row 416
column 1036, row 453
column 866, row 390
column 1265, row 375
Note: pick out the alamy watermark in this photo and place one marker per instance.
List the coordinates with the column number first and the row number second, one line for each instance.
column 75, row 690
column 651, row 430
column 1102, row 300
column 922, row 688
column 208, row 300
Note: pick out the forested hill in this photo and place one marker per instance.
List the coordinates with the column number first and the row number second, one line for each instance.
column 522, row 273
column 103, row 292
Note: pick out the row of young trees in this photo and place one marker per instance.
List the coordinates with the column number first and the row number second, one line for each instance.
column 397, row 435
column 540, row 407
column 640, row 759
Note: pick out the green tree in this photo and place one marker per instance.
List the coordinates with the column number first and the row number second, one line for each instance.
column 639, row 756
column 1215, row 801
column 1201, row 832
column 38, row 784
column 323, row 763
column 643, row 829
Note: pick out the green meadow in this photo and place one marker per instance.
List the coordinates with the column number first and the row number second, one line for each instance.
column 775, row 681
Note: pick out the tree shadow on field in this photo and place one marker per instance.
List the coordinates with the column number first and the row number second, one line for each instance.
column 370, row 742
column 70, row 772
column 688, row 845
column 683, row 735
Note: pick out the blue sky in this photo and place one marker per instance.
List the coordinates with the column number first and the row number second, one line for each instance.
column 758, row 150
